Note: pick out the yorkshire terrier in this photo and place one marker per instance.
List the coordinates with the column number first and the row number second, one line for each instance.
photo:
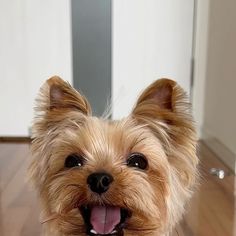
column 95, row 176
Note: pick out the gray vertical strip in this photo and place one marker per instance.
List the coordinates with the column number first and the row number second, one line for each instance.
column 193, row 48
column 91, row 34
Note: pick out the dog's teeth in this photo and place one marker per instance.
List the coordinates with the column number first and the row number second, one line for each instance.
column 93, row 231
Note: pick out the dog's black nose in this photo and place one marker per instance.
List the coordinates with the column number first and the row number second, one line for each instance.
column 99, row 182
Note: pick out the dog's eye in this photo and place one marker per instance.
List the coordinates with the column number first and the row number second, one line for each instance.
column 137, row 160
column 74, row 160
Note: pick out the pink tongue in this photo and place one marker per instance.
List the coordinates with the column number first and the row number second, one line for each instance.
column 104, row 218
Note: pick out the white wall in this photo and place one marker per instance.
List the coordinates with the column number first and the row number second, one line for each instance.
column 214, row 79
column 151, row 39
column 35, row 43
column 220, row 96
column 200, row 62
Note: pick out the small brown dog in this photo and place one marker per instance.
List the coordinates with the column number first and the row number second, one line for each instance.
column 103, row 177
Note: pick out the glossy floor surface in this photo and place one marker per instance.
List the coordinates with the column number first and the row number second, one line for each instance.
column 210, row 213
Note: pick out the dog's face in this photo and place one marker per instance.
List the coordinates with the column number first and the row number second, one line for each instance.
column 102, row 177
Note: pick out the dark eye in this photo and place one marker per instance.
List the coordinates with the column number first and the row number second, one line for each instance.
column 137, row 160
column 74, row 160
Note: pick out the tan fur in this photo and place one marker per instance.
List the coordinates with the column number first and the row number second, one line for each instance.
column 160, row 126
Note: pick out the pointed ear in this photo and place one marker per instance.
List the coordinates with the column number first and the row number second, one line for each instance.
column 165, row 110
column 58, row 95
column 59, row 107
column 63, row 96
column 159, row 93
column 162, row 100
column 55, row 101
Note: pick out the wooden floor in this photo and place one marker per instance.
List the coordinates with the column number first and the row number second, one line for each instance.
column 211, row 211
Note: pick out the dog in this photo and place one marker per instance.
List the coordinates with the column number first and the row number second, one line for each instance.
column 96, row 176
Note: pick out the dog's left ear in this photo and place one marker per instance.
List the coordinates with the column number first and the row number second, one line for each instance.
column 164, row 108
column 159, row 93
column 164, row 103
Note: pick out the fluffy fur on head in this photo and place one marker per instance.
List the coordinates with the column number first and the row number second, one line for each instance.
column 149, row 155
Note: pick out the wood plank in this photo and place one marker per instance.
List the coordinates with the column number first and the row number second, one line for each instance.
column 211, row 211
column 12, row 164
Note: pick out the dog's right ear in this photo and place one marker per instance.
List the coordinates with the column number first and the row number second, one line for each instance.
column 61, row 96
column 59, row 107
column 56, row 95
column 56, row 100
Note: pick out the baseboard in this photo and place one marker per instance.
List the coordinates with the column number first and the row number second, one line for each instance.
column 222, row 152
column 15, row 139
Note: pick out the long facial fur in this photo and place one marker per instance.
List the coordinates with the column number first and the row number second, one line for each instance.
column 160, row 126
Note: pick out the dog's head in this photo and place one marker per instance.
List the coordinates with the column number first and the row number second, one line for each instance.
column 103, row 177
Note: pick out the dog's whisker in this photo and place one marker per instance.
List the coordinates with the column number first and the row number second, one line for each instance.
column 49, row 218
column 146, row 230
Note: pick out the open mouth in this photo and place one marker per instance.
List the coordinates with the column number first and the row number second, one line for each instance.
column 104, row 220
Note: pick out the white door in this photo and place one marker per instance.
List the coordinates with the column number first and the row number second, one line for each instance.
column 151, row 39
column 35, row 44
